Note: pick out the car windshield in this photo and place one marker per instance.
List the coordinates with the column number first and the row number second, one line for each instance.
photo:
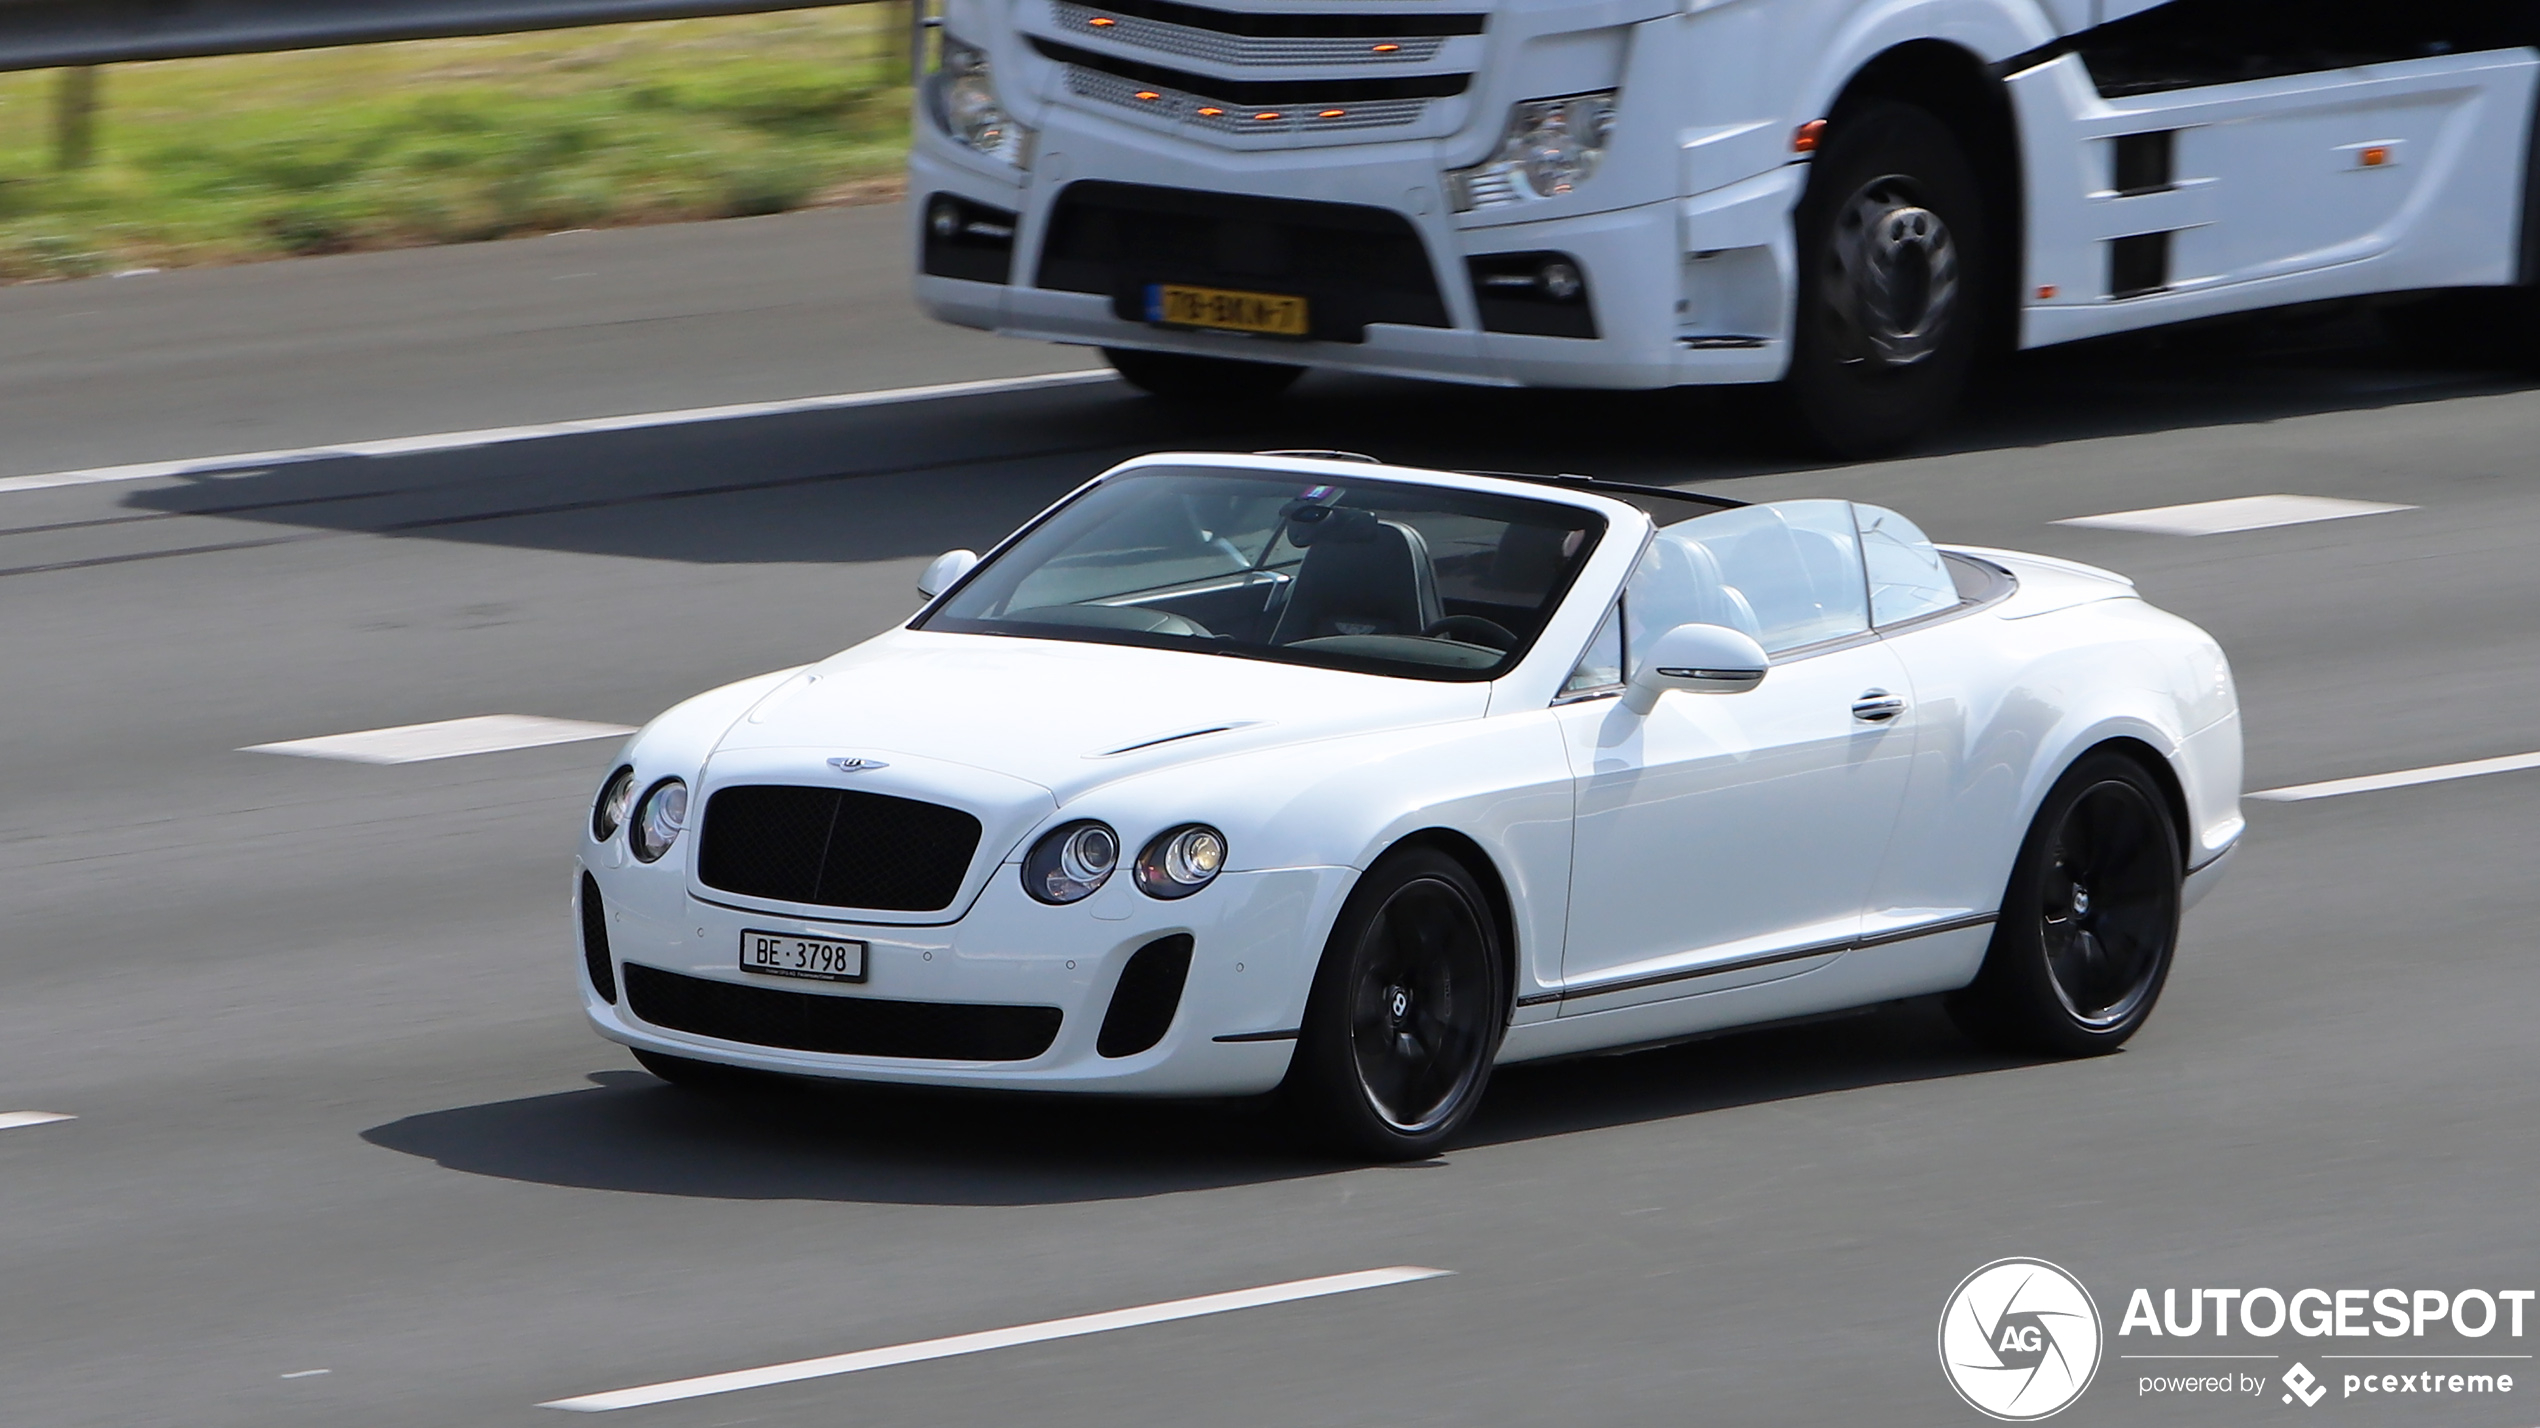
column 1381, row 576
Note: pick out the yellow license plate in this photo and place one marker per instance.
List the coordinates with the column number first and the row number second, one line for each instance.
column 1178, row 306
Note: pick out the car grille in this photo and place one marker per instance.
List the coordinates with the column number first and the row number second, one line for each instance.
column 839, row 1025
column 1354, row 265
column 1247, row 38
column 1251, row 106
column 835, row 847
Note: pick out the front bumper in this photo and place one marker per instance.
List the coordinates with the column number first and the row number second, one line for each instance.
column 1255, row 940
column 1647, row 295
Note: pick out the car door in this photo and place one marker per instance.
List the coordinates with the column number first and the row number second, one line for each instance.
column 1726, row 839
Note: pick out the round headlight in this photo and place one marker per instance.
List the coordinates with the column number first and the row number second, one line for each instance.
column 616, row 797
column 1071, row 862
column 1181, row 861
column 659, row 817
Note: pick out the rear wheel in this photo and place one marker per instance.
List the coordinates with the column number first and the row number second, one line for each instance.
column 2089, row 922
column 1893, row 267
column 1406, row 1012
column 1181, row 377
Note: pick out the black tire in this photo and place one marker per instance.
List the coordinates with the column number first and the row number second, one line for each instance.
column 1406, row 1012
column 1180, row 377
column 2089, row 922
column 1894, row 269
column 702, row 1076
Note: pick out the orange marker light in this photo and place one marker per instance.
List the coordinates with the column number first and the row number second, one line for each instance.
column 1384, row 49
column 1149, row 95
column 1267, row 114
column 1331, row 114
column 1102, row 22
column 1210, row 111
column 1810, row 135
column 2046, row 290
column 2374, row 156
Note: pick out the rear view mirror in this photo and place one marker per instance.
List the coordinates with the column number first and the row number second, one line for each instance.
column 943, row 570
column 1702, row 659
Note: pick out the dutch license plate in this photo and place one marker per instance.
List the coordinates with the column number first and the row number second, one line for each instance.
column 1176, row 306
column 782, row 954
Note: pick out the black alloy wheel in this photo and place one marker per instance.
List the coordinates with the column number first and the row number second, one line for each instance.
column 1893, row 270
column 1181, row 377
column 1406, row 1011
column 2090, row 919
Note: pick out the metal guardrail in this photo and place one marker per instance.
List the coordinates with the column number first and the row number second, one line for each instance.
column 52, row 34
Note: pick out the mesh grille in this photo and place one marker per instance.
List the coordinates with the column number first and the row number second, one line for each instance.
column 839, row 1025
column 1226, row 117
column 835, row 847
column 1187, row 42
column 595, row 941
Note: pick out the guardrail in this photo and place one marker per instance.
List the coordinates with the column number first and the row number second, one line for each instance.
column 55, row 34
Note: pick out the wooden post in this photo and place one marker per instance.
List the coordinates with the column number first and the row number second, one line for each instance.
column 75, row 119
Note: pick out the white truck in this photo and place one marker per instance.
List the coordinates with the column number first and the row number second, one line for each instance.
column 1852, row 199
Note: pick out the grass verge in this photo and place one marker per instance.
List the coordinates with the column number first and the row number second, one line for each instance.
column 454, row 141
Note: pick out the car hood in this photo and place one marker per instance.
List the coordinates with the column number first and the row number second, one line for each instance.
column 1071, row 717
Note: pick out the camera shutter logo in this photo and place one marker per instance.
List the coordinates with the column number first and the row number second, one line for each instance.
column 2020, row 1340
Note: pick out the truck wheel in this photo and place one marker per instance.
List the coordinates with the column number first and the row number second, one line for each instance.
column 2089, row 921
column 1180, row 377
column 1892, row 270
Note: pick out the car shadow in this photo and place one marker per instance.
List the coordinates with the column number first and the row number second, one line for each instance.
column 914, row 479
column 883, row 1145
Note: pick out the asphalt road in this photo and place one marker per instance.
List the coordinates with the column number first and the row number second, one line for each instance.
column 337, row 1110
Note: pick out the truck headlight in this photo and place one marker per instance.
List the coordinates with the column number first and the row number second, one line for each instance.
column 1551, row 147
column 963, row 96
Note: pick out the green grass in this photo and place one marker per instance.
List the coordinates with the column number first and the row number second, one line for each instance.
column 455, row 141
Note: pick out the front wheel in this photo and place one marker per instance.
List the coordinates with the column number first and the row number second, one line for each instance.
column 1181, row 377
column 1893, row 267
column 2089, row 921
column 1406, row 1011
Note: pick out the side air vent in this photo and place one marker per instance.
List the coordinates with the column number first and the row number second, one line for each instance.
column 2139, row 266
column 595, row 941
column 1150, row 991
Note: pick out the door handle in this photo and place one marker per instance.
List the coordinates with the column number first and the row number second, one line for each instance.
column 1877, row 706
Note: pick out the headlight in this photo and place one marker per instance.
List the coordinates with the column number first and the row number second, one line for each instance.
column 1070, row 862
column 659, row 817
column 616, row 797
column 963, row 95
column 1552, row 146
column 1181, row 861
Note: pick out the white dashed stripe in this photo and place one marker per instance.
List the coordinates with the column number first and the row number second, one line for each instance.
column 2240, row 513
column 2371, row 783
column 448, row 739
column 11, row 1120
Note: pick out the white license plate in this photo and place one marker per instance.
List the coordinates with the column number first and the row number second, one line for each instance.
column 781, row 954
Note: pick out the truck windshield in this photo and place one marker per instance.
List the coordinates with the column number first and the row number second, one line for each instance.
column 1383, row 577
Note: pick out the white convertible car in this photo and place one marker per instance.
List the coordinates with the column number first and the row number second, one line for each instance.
column 1232, row 774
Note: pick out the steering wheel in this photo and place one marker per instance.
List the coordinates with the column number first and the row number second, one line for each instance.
column 1473, row 630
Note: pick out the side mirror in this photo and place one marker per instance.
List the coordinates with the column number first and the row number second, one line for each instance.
column 943, row 570
column 1702, row 659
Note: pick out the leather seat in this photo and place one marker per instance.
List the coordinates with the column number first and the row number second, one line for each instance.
column 1360, row 576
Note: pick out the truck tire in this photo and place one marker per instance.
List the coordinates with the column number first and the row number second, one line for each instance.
column 1893, row 269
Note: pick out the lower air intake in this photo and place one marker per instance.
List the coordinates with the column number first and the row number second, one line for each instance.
column 1150, row 991
column 595, row 941
column 839, row 1026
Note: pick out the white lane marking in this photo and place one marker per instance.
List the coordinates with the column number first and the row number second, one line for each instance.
column 448, row 739
column 2240, row 513
column 309, row 1373
column 502, row 435
column 864, row 1359
column 2371, row 783
column 11, row 1120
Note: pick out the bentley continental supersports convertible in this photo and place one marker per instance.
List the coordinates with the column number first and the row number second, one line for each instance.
column 1241, row 774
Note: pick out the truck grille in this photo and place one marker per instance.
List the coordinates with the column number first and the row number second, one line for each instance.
column 1239, row 37
column 1353, row 264
column 1251, row 106
column 839, row 1025
column 835, row 847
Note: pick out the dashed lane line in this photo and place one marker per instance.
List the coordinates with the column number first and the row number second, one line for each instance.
column 2240, row 513
column 11, row 1120
column 247, row 463
column 2374, row 783
column 1041, row 1333
column 447, row 739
